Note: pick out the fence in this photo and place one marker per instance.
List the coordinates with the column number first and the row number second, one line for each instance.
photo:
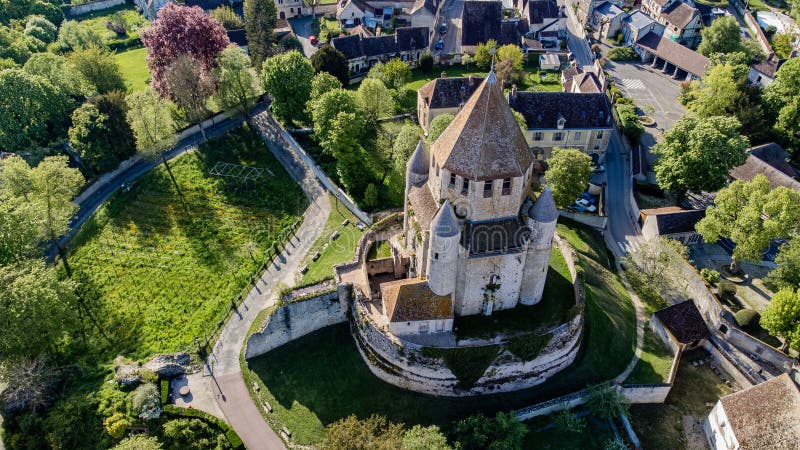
column 84, row 8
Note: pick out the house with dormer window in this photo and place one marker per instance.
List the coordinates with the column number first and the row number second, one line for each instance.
column 682, row 21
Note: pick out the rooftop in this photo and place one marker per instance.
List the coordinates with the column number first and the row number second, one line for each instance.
column 608, row 9
column 674, row 220
column 680, row 14
column 499, row 236
column 449, row 92
column 539, row 10
column 684, row 321
column 639, row 20
column 411, row 300
column 480, row 21
column 770, row 161
column 542, row 110
column 405, row 39
column 684, row 57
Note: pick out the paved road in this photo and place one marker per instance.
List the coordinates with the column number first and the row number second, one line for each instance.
column 226, row 380
column 575, row 41
column 301, row 26
column 451, row 15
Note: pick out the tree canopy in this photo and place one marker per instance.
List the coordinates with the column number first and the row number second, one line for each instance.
column 787, row 270
column 32, row 111
column 373, row 433
column 751, row 215
column 782, row 316
column 287, row 79
column 151, row 122
column 697, row 154
column 374, row 99
column 190, row 86
column 503, row 432
column 722, row 36
column 438, row 125
column 259, row 21
column 782, row 99
column 328, row 59
column 238, row 82
column 483, row 54
column 396, row 73
column 99, row 68
column 567, row 174
column 326, row 108
column 100, row 132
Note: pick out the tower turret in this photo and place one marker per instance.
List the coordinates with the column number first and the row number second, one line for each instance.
column 445, row 232
column 542, row 217
column 416, row 174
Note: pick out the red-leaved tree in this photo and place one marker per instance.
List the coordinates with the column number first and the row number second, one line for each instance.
column 181, row 30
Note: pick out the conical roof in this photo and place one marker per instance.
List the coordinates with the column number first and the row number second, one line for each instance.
column 418, row 162
column 484, row 140
column 544, row 210
column 444, row 223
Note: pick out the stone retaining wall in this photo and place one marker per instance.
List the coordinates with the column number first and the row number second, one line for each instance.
column 591, row 220
column 294, row 320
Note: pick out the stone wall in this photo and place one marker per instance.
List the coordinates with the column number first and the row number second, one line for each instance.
column 645, row 393
column 758, row 350
column 728, row 366
column 294, row 320
column 591, row 220
column 77, row 10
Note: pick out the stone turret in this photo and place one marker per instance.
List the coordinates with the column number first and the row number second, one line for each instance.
column 416, row 173
column 542, row 217
column 445, row 232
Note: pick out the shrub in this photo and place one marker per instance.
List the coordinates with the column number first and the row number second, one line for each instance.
column 164, row 392
column 230, row 434
column 145, row 402
column 726, row 289
column 622, row 54
column 227, row 17
column 426, row 62
column 566, row 422
column 467, row 363
column 629, row 122
column 116, row 425
column 747, row 319
column 710, row 276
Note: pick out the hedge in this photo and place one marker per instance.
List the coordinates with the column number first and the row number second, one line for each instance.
column 164, row 392
column 230, row 433
column 747, row 319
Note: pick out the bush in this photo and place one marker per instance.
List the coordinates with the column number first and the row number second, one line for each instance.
column 726, row 289
column 164, row 392
column 426, row 62
column 230, row 434
column 747, row 319
column 116, row 425
column 622, row 54
column 629, row 122
column 710, row 276
column 227, row 17
column 145, row 402
column 467, row 363
column 528, row 346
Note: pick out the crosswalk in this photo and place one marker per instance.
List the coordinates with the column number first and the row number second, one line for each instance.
column 628, row 247
column 632, row 84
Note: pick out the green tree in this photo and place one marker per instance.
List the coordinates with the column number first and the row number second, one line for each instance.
column 377, row 72
column 328, row 59
column 523, row 124
column 425, row 438
column 697, row 154
column 478, row 432
column 326, row 108
column 483, row 54
column 566, row 422
column 322, row 83
column 404, row 144
column 567, row 174
column 374, row 99
column 438, row 125
column 151, row 122
column 373, row 433
column 14, row 45
column 718, row 93
column 32, row 111
column 396, row 73
column 62, row 75
column 238, row 88
column 510, row 52
column 287, row 79
column 227, row 17
column 189, row 86
column 259, row 21
column 782, row 316
column 139, row 442
column 629, row 122
column 788, row 124
column 343, row 143
column 787, row 270
column 782, row 44
column 73, row 36
column 371, row 196
column 146, row 401
column 101, row 134
column 426, row 62
column 41, row 28
column 21, row 228
column 190, row 434
column 99, row 68
column 722, row 36
column 751, row 215
column 38, row 310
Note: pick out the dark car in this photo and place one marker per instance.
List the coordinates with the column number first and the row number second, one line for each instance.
column 439, row 44
column 443, row 29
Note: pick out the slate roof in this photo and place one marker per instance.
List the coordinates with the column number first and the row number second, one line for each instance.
column 543, row 109
column 766, row 415
column 499, row 236
column 511, row 32
column 421, row 201
column 679, row 14
column 684, row 57
column 449, row 92
column 411, row 300
column 484, row 141
column 544, row 209
column 207, row 5
column 539, row 10
column 480, row 21
column 639, row 20
column 674, row 220
column 570, row 72
column 588, row 83
column 350, row 46
column 445, row 224
column 684, row 321
column 412, row 38
column 418, row 162
column 768, row 160
column 608, row 9
column 360, row 4
column 378, row 45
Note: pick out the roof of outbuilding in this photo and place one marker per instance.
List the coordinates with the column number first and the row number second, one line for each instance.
column 608, row 9
column 480, row 21
column 768, row 160
column 684, row 321
column 411, row 299
column 766, row 415
column 680, row 14
column 673, row 219
column 449, row 92
column 684, row 57
column 412, row 38
column 484, row 140
column 543, row 109
column 588, row 83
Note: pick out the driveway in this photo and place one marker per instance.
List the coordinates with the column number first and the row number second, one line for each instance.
column 301, row 26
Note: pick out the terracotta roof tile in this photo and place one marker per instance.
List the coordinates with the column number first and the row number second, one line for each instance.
column 411, row 299
column 680, row 14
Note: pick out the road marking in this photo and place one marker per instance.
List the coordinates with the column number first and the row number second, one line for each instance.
column 633, row 84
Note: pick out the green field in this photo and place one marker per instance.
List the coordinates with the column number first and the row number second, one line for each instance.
column 330, row 381
column 133, row 21
column 332, row 252
column 655, row 363
column 163, row 262
column 133, row 66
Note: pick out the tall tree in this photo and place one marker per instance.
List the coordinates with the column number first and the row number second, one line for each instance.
column 190, row 86
column 321, row 83
column 697, row 154
column 63, row 76
column 722, row 36
column 287, row 79
column 782, row 100
column 181, row 30
column 478, row 432
column 483, row 54
column 32, row 111
column 787, row 270
column 326, row 108
column 425, row 438
column 101, row 134
column 396, row 73
column 567, row 174
column 374, row 99
column 73, row 36
column 99, row 68
column 238, row 83
column 259, row 21
column 151, row 122
column 328, row 59
column 21, row 228
column 782, row 316
column 375, row 432
column 438, row 125
column 751, row 215
column 404, row 144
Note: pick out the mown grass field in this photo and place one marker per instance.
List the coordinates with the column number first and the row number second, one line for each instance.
column 163, row 262
column 134, row 70
column 655, row 363
column 321, row 378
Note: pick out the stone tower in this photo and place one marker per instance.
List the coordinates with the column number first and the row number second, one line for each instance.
column 445, row 233
column 542, row 217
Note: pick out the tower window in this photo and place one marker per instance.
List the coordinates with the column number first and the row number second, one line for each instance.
column 600, row 134
column 577, row 136
column 465, row 187
column 506, row 186
column 452, row 180
column 487, row 188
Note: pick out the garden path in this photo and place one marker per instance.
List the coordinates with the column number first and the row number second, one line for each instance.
column 225, row 378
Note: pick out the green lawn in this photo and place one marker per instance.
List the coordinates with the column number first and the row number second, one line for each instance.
column 378, row 250
column 160, row 265
column 134, row 23
column 332, row 252
column 133, row 66
column 655, row 363
column 553, row 310
column 320, row 378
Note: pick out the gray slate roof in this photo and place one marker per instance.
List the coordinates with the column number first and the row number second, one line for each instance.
column 497, row 236
column 684, row 321
column 449, row 92
column 539, row 10
column 680, row 14
column 543, row 109
column 445, row 224
column 405, row 39
column 418, row 163
column 544, row 210
column 480, row 21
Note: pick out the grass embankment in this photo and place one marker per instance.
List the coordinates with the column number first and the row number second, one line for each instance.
column 321, row 378
column 655, row 363
column 133, row 67
column 163, row 262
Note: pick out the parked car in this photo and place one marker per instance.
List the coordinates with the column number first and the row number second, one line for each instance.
column 313, row 40
column 443, row 29
column 598, row 169
column 439, row 44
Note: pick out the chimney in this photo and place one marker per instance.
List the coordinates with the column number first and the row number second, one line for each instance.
column 513, row 90
column 443, row 75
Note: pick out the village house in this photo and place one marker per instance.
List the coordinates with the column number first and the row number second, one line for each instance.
column 351, row 13
column 561, row 119
column 444, row 96
column 606, row 20
column 574, row 79
column 547, row 21
column 483, row 20
column 638, row 24
column 671, row 222
column 150, row 8
column 762, row 73
column 764, row 416
column 291, row 8
column 585, row 8
column 423, row 13
column 380, row 13
column 407, row 43
column 682, row 21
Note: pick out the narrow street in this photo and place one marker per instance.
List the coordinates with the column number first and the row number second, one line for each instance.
column 576, row 43
column 450, row 14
